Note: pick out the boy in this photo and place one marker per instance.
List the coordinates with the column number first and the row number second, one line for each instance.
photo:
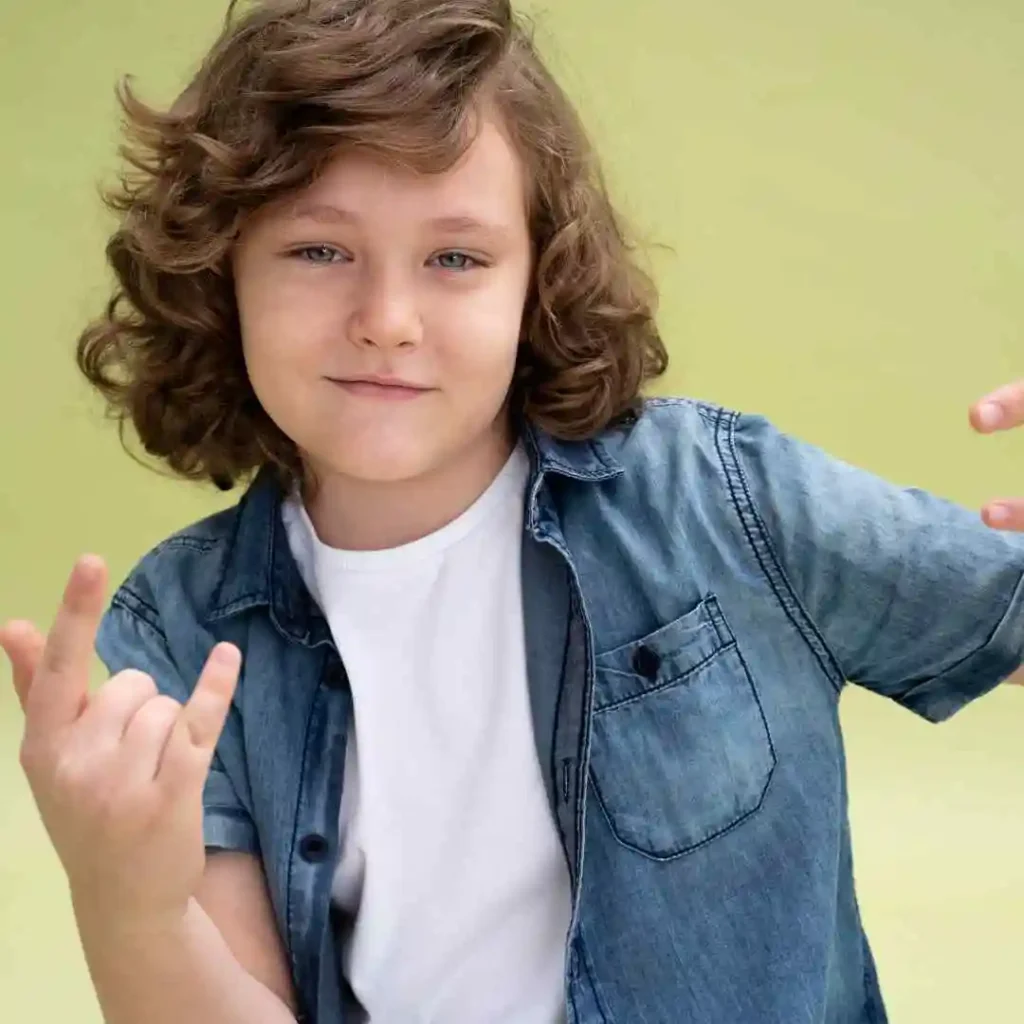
column 538, row 717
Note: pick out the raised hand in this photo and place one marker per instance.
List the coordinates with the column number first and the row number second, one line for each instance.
column 118, row 775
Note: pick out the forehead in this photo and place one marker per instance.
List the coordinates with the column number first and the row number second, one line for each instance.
column 489, row 179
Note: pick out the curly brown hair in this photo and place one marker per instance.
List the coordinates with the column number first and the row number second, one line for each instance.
column 285, row 87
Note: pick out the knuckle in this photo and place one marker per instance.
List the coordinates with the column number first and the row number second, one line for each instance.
column 72, row 775
column 165, row 705
column 131, row 682
column 159, row 712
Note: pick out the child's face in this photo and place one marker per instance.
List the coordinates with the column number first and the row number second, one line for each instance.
column 379, row 272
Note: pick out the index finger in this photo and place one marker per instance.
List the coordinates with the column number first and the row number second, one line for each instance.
column 1001, row 409
column 61, row 684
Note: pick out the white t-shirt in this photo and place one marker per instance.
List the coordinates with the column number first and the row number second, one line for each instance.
column 451, row 865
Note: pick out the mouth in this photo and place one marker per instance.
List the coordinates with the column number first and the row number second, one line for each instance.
column 380, row 388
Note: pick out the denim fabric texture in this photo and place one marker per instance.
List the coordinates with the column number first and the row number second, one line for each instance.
column 699, row 588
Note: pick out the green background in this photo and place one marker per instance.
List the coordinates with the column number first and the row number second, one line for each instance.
column 839, row 190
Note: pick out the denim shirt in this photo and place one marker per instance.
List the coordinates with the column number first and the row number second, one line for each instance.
column 698, row 589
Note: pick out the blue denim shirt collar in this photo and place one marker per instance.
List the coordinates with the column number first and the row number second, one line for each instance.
column 273, row 581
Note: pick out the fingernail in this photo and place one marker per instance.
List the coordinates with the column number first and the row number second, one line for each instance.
column 91, row 565
column 990, row 415
column 998, row 514
column 226, row 654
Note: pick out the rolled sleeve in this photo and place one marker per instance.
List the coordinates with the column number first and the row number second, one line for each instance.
column 128, row 640
column 941, row 697
column 226, row 824
column 915, row 597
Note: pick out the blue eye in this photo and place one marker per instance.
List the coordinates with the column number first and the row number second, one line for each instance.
column 318, row 255
column 456, row 261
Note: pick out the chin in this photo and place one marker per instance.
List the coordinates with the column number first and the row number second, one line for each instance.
column 379, row 467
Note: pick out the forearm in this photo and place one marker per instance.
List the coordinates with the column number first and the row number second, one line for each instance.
column 181, row 971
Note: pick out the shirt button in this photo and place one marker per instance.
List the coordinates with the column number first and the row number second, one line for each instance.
column 646, row 662
column 313, row 849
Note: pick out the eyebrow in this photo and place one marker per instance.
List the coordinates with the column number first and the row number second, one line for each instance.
column 326, row 213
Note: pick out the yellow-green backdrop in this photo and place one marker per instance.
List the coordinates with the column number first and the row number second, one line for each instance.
column 842, row 188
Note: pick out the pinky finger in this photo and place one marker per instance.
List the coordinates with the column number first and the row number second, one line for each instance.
column 197, row 730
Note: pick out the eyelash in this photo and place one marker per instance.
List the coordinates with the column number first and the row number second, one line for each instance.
column 472, row 262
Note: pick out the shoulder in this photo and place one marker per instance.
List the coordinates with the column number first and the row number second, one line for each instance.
column 157, row 618
column 674, row 419
column 689, row 435
column 181, row 575
column 734, row 472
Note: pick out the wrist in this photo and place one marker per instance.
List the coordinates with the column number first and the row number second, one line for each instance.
column 115, row 926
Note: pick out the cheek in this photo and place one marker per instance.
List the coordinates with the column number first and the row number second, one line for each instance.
column 479, row 366
column 276, row 339
column 277, row 357
column 264, row 358
column 480, row 340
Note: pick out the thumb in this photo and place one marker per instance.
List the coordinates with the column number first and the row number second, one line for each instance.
column 24, row 646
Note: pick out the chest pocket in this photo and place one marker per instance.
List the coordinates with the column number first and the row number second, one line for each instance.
column 680, row 747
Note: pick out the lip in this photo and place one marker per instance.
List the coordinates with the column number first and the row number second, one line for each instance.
column 382, row 388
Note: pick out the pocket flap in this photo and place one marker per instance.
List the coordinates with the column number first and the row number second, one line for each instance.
column 661, row 657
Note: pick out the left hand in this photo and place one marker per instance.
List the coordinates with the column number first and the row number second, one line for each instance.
column 1001, row 410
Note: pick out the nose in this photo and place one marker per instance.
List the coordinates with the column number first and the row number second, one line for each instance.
column 385, row 313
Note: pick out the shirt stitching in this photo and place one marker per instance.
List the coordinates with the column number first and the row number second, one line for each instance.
column 760, row 542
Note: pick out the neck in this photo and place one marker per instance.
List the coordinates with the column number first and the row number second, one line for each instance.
column 370, row 515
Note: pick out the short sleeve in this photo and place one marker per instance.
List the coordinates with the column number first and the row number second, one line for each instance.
column 128, row 641
column 915, row 597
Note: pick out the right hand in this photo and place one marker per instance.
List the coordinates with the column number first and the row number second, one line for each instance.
column 117, row 776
